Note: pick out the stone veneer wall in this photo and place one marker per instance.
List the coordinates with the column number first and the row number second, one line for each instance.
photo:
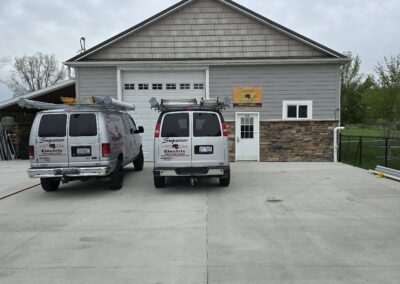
column 292, row 141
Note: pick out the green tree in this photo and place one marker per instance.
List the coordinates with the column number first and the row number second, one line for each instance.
column 352, row 109
column 33, row 73
column 384, row 99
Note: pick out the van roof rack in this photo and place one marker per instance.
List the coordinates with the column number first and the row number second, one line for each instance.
column 92, row 102
column 165, row 105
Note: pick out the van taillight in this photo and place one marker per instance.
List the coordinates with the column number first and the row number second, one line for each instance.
column 31, row 151
column 157, row 131
column 224, row 129
column 106, row 149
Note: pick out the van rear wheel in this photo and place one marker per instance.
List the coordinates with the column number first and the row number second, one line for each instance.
column 117, row 177
column 159, row 182
column 139, row 162
column 224, row 180
column 50, row 184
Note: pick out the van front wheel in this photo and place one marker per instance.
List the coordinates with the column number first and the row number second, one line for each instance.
column 159, row 182
column 50, row 184
column 224, row 180
column 117, row 177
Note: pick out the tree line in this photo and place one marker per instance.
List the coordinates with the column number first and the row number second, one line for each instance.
column 372, row 99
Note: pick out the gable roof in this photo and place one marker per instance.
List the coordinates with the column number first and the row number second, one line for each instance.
column 229, row 3
column 38, row 93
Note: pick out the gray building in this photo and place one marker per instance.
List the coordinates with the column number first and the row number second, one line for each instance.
column 284, row 87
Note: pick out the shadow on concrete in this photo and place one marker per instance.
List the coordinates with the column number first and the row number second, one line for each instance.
column 181, row 184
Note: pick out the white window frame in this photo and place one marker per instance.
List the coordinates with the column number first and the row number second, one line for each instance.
column 176, row 86
column 308, row 103
column 162, row 86
column 148, row 86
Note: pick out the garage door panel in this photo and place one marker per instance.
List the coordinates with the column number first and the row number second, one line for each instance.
column 146, row 117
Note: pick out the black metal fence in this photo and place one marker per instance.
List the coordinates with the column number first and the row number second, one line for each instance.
column 368, row 152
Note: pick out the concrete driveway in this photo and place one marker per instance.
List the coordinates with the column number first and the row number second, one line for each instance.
column 276, row 223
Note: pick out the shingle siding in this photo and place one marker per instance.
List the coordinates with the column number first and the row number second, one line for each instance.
column 206, row 29
column 318, row 83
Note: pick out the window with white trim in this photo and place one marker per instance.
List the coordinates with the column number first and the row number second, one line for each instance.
column 171, row 86
column 198, row 86
column 129, row 86
column 157, row 86
column 184, row 86
column 292, row 110
column 143, row 86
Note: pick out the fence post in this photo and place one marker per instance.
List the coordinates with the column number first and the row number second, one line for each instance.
column 340, row 147
column 360, row 142
column 386, row 151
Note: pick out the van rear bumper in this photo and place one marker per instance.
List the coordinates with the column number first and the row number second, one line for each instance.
column 193, row 171
column 69, row 172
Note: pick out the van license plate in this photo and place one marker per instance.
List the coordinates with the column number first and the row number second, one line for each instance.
column 83, row 151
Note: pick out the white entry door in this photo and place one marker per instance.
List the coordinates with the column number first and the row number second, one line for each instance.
column 247, row 136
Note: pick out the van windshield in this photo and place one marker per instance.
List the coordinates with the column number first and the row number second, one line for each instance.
column 175, row 125
column 52, row 125
column 82, row 124
column 206, row 124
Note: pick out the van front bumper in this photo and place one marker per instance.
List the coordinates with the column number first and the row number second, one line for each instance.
column 193, row 171
column 69, row 172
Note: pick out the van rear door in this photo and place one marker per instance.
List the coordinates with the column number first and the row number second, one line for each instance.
column 83, row 139
column 174, row 143
column 51, row 143
column 208, row 143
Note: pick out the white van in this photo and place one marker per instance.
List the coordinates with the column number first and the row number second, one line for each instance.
column 191, row 140
column 82, row 142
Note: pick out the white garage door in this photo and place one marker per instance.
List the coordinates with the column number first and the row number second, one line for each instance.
column 139, row 87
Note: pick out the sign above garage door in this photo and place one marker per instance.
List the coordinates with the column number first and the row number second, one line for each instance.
column 139, row 86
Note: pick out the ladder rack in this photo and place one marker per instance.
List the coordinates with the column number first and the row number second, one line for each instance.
column 93, row 102
column 165, row 105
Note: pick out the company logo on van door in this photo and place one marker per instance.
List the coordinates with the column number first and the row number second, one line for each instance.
column 173, row 147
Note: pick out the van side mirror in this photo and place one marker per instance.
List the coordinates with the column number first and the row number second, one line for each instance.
column 139, row 130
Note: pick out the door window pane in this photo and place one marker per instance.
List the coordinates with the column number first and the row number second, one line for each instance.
column 82, row 124
column 175, row 125
column 206, row 125
column 247, row 127
column 53, row 125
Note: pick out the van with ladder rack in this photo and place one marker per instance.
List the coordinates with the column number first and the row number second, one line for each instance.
column 83, row 140
column 190, row 140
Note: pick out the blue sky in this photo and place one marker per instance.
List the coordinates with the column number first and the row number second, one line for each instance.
column 368, row 28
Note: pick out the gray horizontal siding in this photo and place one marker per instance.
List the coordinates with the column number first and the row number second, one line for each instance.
column 206, row 29
column 319, row 83
column 96, row 81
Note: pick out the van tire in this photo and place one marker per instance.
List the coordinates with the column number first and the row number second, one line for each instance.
column 117, row 177
column 50, row 184
column 159, row 182
column 139, row 162
column 224, row 180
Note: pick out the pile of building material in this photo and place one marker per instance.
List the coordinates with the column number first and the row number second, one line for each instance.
column 7, row 151
column 387, row 172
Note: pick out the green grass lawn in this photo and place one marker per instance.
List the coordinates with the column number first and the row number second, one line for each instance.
column 367, row 131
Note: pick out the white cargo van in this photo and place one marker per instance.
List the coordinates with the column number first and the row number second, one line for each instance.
column 191, row 140
column 78, row 142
